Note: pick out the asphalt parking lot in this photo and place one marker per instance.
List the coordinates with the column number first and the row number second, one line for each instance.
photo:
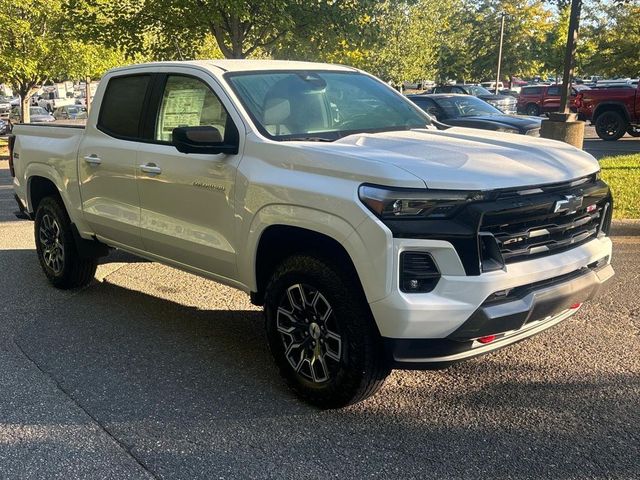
column 154, row 373
column 598, row 148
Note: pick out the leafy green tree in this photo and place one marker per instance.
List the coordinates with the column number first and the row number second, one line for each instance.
column 614, row 42
column 556, row 42
column 455, row 50
column 527, row 24
column 396, row 41
column 35, row 48
column 241, row 28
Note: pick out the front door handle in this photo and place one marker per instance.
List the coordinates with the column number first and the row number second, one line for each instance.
column 93, row 159
column 151, row 168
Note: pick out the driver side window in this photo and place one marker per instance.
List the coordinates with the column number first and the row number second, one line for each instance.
column 188, row 102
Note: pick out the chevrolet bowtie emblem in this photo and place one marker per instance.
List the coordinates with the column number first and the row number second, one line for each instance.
column 570, row 204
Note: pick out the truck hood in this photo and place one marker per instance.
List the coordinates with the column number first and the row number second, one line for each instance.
column 464, row 158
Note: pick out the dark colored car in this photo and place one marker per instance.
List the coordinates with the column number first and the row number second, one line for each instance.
column 472, row 112
column 613, row 111
column 505, row 103
column 539, row 99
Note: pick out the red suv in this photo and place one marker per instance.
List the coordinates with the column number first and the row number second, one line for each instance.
column 538, row 99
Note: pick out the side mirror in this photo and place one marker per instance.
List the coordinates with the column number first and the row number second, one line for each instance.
column 205, row 140
column 433, row 112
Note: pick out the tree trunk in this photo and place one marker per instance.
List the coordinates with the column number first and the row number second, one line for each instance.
column 25, row 101
column 87, row 93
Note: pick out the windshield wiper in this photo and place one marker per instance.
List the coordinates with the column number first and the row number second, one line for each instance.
column 308, row 139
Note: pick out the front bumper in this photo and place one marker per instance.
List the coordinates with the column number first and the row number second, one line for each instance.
column 519, row 314
column 457, row 296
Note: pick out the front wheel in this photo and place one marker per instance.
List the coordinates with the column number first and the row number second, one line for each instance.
column 610, row 126
column 634, row 131
column 56, row 247
column 321, row 333
column 532, row 110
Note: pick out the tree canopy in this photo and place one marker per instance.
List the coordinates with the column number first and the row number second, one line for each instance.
column 397, row 40
column 35, row 47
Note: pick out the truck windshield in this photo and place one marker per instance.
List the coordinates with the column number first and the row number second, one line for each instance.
column 321, row 105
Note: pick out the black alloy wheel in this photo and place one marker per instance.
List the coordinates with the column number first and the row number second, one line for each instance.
column 610, row 126
column 321, row 333
column 56, row 247
column 634, row 131
column 309, row 332
column 532, row 110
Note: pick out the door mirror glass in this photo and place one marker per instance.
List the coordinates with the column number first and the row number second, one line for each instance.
column 206, row 140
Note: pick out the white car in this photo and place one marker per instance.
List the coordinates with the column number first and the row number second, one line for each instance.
column 373, row 239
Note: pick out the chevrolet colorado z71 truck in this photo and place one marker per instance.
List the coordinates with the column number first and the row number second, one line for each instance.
column 613, row 111
column 373, row 239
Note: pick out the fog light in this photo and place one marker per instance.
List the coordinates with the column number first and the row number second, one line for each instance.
column 418, row 272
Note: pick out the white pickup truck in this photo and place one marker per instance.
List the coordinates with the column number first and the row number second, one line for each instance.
column 373, row 238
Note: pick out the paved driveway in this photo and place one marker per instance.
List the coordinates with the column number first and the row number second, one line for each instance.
column 154, row 373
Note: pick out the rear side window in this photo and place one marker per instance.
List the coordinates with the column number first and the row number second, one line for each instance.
column 122, row 104
column 532, row 91
column 553, row 91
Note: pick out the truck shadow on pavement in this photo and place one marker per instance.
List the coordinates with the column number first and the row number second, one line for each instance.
column 194, row 394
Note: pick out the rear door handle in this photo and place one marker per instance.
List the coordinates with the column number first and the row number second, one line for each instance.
column 93, row 159
column 151, row 168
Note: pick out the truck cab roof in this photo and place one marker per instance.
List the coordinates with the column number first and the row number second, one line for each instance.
column 219, row 67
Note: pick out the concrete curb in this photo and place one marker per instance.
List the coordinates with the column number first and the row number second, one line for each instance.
column 625, row 228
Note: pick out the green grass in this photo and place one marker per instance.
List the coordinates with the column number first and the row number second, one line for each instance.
column 623, row 176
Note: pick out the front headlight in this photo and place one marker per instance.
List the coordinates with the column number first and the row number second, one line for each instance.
column 507, row 130
column 397, row 203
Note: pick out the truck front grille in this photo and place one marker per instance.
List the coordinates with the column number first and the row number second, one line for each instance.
column 540, row 229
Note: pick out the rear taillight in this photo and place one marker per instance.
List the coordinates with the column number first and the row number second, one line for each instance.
column 12, row 141
column 578, row 100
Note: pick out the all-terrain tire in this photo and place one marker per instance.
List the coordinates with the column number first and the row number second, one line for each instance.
column 356, row 366
column 532, row 110
column 56, row 248
column 633, row 131
column 610, row 126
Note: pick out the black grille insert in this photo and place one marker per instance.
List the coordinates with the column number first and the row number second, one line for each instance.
column 549, row 226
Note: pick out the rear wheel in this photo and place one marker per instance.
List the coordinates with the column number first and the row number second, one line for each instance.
column 56, row 247
column 633, row 131
column 321, row 333
column 610, row 126
column 532, row 110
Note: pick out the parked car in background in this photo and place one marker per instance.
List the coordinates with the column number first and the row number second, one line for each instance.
column 469, row 111
column 505, row 103
column 613, row 111
column 538, row 99
column 616, row 83
column 37, row 114
column 70, row 112
column 4, row 127
column 491, row 86
column 5, row 107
